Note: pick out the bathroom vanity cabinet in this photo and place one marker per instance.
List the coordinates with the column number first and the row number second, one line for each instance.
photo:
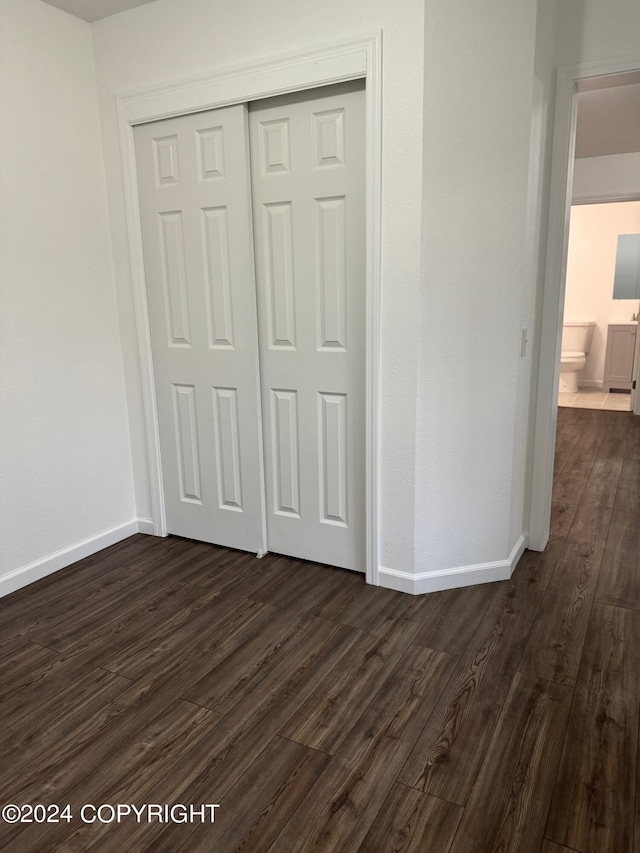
column 618, row 362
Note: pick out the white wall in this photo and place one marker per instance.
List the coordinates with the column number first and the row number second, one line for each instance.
column 66, row 466
column 591, row 262
column 612, row 176
column 476, row 273
column 591, row 30
column 175, row 39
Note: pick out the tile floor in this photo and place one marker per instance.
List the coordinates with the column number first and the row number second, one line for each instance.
column 594, row 398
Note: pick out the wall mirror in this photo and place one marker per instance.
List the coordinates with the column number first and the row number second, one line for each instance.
column 626, row 282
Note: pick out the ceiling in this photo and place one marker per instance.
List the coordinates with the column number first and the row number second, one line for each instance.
column 608, row 115
column 93, row 10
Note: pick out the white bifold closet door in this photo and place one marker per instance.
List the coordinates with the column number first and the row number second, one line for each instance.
column 195, row 208
column 308, row 173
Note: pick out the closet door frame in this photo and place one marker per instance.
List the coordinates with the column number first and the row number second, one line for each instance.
column 336, row 63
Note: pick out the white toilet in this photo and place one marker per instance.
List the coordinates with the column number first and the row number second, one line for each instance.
column 576, row 343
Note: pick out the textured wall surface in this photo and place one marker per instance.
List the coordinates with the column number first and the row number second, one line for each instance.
column 474, row 277
column 66, row 464
column 591, row 30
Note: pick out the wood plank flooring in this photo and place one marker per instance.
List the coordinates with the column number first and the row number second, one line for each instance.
column 326, row 715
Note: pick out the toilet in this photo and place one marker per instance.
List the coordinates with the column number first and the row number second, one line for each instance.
column 576, row 343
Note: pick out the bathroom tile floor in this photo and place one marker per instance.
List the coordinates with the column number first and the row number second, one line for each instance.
column 594, row 398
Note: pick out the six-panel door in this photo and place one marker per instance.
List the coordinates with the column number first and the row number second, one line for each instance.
column 195, row 205
column 305, row 190
column 307, row 175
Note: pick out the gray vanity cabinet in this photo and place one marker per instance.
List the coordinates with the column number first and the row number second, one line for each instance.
column 618, row 362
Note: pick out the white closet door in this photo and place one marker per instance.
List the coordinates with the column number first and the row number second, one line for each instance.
column 308, row 168
column 195, row 201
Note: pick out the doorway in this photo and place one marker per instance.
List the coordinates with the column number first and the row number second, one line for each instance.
column 600, row 318
column 280, row 379
column 569, row 81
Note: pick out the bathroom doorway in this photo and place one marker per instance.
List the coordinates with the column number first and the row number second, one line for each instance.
column 600, row 321
column 595, row 161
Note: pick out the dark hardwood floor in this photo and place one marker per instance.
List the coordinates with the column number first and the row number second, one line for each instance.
column 326, row 715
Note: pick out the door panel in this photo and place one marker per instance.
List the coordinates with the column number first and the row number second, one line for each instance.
column 308, row 168
column 195, row 203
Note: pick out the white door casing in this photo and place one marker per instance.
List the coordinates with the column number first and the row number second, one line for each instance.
column 308, row 184
column 195, row 209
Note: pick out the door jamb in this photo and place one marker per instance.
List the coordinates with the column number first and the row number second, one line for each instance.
column 339, row 62
column 546, row 399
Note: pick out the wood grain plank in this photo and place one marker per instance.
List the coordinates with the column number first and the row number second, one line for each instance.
column 255, row 810
column 590, row 808
column 567, row 492
column 570, row 414
column 46, row 609
column 33, row 743
column 163, row 550
column 632, row 446
column 628, row 494
column 507, row 810
column 342, row 806
column 227, row 752
column 222, row 687
column 619, row 582
column 125, row 629
column 194, row 562
column 18, row 664
column 449, row 619
column 124, row 553
column 370, row 608
column 38, row 686
column 593, row 515
column 447, row 757
column 566, row 439
column 555, row 643
column 133, row 592
column 535, row 570
column 329, row 714
column 175, row 635
column 552, row 847
column 28, row 694
column 412, row 822
column 123, row 777
column 609, row 460
column 307, row 587
column 136, row 707
column 584, row 453
column 223, row 567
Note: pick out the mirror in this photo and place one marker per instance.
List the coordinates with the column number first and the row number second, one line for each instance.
column 626, row 283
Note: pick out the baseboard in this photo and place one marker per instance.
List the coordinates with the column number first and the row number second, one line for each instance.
column 145, row 525
column 590, row 383
column 60, row 559
column 418, row 584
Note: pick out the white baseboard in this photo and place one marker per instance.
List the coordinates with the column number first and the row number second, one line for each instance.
column 418, row 584
column 60, row 559
column 145, row 525
column 590, row 383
